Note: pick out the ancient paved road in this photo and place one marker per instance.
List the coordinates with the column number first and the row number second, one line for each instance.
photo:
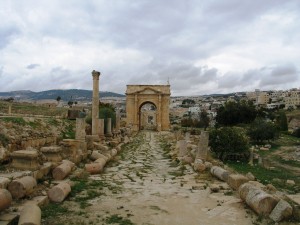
column 154, row 192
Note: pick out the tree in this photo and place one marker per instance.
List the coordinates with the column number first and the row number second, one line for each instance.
column 261, row 130
column 233, row 113
column 58, row 98
column 228, row 140
column 10, row 99
column 188, row 102
column 70, row 103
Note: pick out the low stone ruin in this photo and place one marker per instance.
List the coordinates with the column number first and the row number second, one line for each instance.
column 263, row 200
column 55, row 161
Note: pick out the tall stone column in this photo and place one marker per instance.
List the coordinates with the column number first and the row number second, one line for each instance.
column 108, row 128
column 159, row 119
column 101, row 129
column 203, row 146
column 95, row 106
column 136, row 122
column 9, row 108
column 118, row 120
column 80, row 129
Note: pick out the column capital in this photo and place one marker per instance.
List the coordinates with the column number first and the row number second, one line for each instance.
column 95, row 74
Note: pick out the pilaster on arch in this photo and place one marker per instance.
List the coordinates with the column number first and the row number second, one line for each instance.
column 137, row 95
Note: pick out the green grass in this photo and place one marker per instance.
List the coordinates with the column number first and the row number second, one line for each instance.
column 69, row 131
column 267, row 176
column 84, row 190
column 116, row 219
column 33, row 109
column 53, row 210
column 16, row 120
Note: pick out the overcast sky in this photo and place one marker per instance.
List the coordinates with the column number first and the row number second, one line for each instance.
column 200, row 46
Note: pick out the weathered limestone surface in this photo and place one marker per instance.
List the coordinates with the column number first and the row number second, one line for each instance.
column 52, row 153
column 236, row 180
column 219, row 173
column 63, row 170
column 203, row 146
column 80, row 129
column 25, row 160
column 91, row 140
column 138, row 95
column 22, row 187
column 101, row 129
column 5, row 199
column 95, row 167
column 59, row 192
column 30, row 215
column 261, row 202
column 43, row 171
column 199, row 166
column 281, row 211
column 182, row 148
column 74, row 150
column 108, row 133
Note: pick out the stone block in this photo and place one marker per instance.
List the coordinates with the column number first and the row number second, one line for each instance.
column 25, row 160
column 199, row 166
column 261, row 202
column 43, row 171
column 100, row 147
column 22, row 187
column 236, row 180
column 281, row 211
column 31, row 214
column 5, row 199
column 62, row 171
column 74, row 150
column 59, row 192
column 52, row 153
column 9, row 218
column 41, row 200
column 220, row 173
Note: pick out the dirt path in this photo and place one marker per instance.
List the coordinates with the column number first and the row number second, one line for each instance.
column 145, row 187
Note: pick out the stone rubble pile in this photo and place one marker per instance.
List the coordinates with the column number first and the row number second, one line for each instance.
column 264, row 200
column 57, row 162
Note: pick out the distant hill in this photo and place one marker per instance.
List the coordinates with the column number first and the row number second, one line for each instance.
column 66, row 95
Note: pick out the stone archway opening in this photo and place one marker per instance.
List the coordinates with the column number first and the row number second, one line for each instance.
column 148, row 116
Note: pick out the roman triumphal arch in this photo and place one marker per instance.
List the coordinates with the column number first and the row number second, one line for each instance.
column 139, row 95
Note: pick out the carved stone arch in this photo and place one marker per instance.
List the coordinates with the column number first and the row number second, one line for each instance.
column 138, row 95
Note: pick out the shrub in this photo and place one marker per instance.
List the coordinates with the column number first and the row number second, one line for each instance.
column 228, row 140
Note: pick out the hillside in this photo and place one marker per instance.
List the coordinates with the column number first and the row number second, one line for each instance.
column 66, row 95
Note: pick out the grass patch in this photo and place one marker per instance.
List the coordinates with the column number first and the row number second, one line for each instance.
column 69, row 131
column 53, row 210
column 116, row 219
column 16, row 120
column 267, row 176
column 84, row 190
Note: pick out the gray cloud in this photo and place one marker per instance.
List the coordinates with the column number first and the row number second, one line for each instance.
column 201, row 47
